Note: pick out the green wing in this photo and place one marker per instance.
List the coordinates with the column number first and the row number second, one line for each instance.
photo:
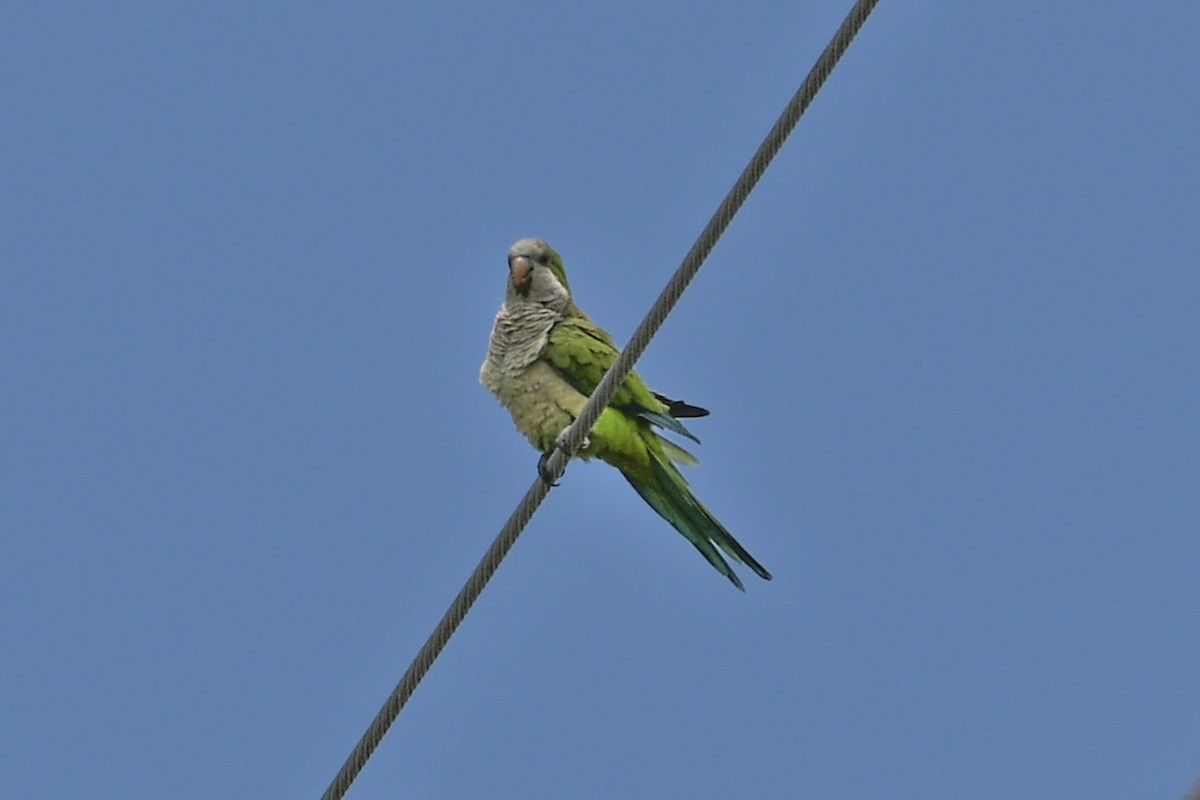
column 581, row 352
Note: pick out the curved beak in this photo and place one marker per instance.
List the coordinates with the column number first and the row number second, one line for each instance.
column 521, row 269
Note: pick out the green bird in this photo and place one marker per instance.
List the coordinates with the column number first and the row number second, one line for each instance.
column 545, row 358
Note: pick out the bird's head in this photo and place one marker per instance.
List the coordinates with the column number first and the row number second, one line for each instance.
column 536, row 275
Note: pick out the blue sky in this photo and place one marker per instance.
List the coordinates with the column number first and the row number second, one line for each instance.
column 251, row 254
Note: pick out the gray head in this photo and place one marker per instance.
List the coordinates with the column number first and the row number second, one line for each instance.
column 536, row 275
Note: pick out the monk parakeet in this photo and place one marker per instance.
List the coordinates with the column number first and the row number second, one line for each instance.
column 545, row 358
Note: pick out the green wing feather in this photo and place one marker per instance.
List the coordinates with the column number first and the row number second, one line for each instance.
column 677, row 453
column 581, row 353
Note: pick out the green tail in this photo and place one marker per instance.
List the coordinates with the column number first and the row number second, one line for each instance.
column 667, row 493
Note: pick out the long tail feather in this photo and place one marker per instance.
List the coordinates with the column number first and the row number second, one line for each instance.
column 667, row 493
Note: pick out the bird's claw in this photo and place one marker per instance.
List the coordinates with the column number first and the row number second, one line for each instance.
column 560, row 443
column 543, row 472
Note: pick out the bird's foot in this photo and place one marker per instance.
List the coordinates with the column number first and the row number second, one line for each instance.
column 545, row 475
column 560, row 443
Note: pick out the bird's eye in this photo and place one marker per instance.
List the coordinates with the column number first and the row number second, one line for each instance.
column 542, row 259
